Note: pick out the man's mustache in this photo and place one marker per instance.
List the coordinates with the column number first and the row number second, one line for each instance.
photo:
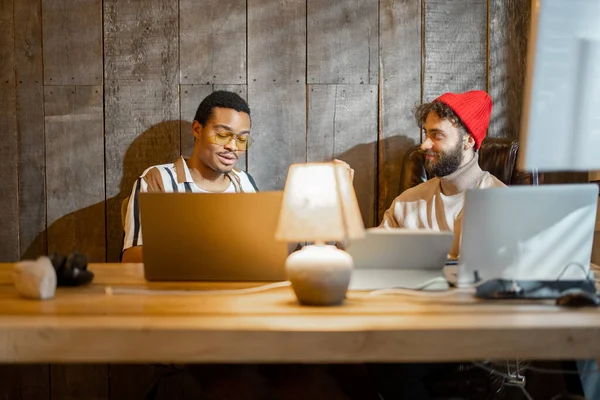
column 428, row 153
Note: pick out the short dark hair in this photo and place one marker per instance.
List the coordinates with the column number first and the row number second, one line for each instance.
column 222, row 99
column 443, row 111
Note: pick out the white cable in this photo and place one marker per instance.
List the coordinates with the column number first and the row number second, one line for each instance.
column 420, row 291
column 422, row 286
column 109, row 290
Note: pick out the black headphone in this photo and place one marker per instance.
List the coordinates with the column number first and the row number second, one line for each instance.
column 71, row 270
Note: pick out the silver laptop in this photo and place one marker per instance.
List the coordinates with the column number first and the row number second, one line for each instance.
column 528, row 233
column 399, row 258
column 212, row 237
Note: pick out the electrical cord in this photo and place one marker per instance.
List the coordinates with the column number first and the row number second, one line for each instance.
column 588, row 274
column 419, row 290
column 508, row 377
column 109, row 290
column 422, row 292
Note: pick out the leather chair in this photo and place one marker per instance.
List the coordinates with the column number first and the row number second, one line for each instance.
column 498, row 156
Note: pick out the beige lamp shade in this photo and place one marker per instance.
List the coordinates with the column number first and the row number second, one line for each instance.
column 319, row 204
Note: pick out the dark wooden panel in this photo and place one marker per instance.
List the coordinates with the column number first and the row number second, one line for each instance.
column 9, row 217
column 279, row 131
column 72, row 42
column 213, row 41
column 455, row 46
column 400, row 22
column 141, row 98
column 142, row 129
column 509, row 31
column 277, row 41
column 342, row 41
column 563, row 177
column 75, row 382
column 343, row 124
column 131, row 381
column 30, row 122
column 141, row 41
column 191, row 96
column 75, row 170
column 25, row 382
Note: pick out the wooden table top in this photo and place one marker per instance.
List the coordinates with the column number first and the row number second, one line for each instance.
column 88, row 325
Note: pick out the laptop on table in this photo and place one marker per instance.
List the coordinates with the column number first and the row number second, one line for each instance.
column 212, row 236
column 399, row 258
column 528, row 241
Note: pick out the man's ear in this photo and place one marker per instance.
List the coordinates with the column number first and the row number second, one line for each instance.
column 469, row 142
column 197, row 129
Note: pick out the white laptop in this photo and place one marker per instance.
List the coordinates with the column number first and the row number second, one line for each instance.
column 528, row 233
column 399, row 258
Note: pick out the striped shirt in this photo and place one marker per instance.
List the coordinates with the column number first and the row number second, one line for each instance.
column 172, row 178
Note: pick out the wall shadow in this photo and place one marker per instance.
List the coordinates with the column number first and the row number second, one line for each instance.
column 377, row 179
column 96, row 230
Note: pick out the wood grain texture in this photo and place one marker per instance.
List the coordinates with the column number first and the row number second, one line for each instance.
column 26, row 382
column 455, row 46
column 338, row 338
column 259, row 327
column 141, row 42
column 277, row 41
column 342, row 122
column 342, row 41
column 9, row 218
column 93, row 302
column 191, row 96
column 141, row 61
column 509, row 32
column 72, row 42
column 212, row 37
column 279, row 131
column 30, row 124
column 71, row 382
column 400, row 38
column 143, row 130
column 75, row 170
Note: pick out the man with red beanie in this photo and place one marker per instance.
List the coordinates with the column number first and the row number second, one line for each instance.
column 454, row 126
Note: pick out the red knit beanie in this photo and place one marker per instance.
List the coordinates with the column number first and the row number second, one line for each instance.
column 474, row 109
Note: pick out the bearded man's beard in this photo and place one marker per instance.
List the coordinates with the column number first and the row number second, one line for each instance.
column 443, row 164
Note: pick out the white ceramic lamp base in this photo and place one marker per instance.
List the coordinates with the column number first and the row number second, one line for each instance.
column 319, row 274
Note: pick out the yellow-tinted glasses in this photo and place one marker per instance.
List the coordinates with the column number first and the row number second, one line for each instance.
column 223, row 138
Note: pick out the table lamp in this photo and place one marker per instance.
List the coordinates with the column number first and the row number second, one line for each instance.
column 319, row 205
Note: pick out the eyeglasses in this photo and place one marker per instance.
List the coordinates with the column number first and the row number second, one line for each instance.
column 224, row 138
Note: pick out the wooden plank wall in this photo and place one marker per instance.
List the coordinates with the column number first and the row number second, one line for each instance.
column 95, row 91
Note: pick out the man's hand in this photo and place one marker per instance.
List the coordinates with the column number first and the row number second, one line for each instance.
column 345, row 164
